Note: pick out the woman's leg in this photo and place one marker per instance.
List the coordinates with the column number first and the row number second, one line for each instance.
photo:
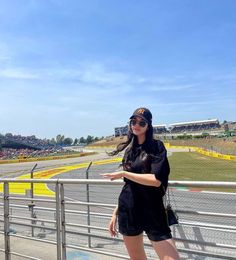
column 166, row 249
column 135, row 247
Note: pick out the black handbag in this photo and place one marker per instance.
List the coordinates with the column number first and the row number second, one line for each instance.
column 172, row 217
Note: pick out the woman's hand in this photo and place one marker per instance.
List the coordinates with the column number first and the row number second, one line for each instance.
column 147, row 179
column 113, row 226
column 114, row 175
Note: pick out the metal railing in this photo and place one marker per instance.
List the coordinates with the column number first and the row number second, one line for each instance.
column 206, row 227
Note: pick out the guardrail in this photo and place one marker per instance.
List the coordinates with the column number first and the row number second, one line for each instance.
column 82, row 208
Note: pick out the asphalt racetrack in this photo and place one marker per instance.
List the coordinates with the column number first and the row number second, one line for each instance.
column 182, row 199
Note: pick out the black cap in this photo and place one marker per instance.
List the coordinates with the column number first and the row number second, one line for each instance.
column 144, row 113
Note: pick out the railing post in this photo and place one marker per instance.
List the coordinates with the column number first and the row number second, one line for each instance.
column 31, row 206
column 88, row 207
column 63, row 222
column 58, row 221
column 6, row 221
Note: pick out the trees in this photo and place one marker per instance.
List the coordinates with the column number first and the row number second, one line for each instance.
column 68, row 141
column 82, row 140
column 75, row 141
column 89, row 139
column 60, row 139
column 53, row 141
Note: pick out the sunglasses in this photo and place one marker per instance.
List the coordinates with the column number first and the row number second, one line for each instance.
column 133, row 122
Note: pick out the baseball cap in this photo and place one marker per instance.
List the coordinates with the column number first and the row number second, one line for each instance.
column 144, row 113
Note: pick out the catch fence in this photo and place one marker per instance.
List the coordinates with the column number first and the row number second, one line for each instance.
column 76, row 218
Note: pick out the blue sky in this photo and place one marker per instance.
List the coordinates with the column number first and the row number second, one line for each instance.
column 80, row 68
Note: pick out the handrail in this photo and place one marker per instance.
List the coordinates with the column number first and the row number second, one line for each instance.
column 175, row 183
column 58, row 225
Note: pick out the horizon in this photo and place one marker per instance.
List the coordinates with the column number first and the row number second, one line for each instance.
column 154, row 125
column 82, row 68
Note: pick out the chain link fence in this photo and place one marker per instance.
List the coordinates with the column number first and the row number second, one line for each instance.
column 207, row 228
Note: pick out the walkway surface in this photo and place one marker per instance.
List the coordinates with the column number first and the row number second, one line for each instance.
column 45, row 251
column 36, row 249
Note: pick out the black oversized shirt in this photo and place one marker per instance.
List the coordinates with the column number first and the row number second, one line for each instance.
column 141, row 206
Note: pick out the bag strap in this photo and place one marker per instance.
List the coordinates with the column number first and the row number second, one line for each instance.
column 168, row 204
column 166, row 197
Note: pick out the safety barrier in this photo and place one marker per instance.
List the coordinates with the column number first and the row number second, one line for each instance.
column 190, row 148
column 82, row 208
column 33, row 159
column 216, row 155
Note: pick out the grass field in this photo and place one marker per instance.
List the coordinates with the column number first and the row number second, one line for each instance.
column 191, row 166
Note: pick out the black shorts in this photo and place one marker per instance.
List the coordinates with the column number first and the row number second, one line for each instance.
column 153, row 235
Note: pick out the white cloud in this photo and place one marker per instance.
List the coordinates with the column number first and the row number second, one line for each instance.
column 94, row 94
column 172, row 87
column 18, row 73
column 5, row 54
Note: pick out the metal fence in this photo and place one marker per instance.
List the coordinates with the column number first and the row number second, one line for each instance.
column 207, row 228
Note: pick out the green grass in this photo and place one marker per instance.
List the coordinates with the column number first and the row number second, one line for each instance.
column 192, row 166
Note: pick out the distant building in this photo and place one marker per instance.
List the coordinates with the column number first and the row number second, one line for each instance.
column 121, row 131
column 194, row 126
column 160, row 129
column 157, row 129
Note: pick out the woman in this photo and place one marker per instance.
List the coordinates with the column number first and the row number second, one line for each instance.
column 140, row 207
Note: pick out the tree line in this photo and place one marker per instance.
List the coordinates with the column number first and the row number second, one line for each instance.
column 62, row 140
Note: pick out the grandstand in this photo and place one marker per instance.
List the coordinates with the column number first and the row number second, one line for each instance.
column 195, row 126
column 157, row 129
column 121, row 131
column 24, row 142
column 21, row 147
column 160, row 129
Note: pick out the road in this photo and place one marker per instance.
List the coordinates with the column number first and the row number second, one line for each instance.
column 182, row 200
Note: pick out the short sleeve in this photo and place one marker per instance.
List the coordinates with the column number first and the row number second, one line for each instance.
column 160, row 165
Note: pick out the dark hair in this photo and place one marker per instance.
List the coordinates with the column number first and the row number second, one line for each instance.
column 132, row 142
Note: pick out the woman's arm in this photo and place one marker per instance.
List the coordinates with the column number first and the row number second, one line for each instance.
column 115, row 211
column 112, row 225
column 148, row 179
